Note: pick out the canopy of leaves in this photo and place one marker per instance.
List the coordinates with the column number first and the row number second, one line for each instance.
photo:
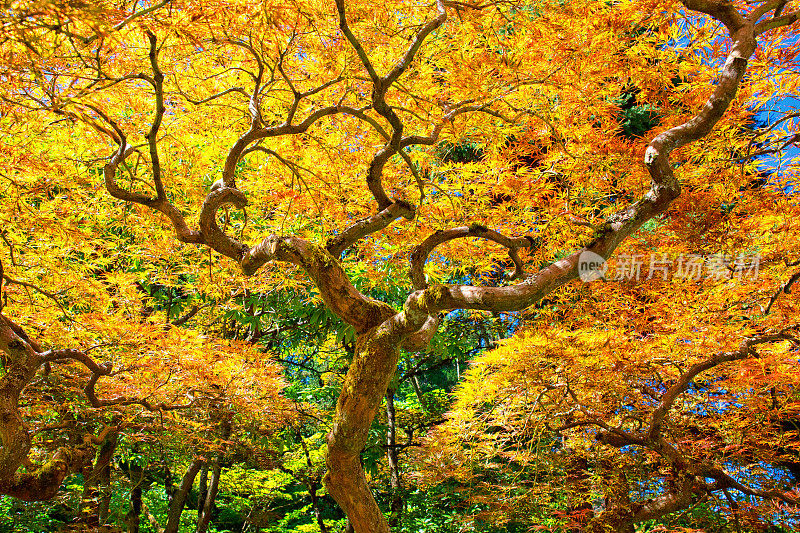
column 192, row 260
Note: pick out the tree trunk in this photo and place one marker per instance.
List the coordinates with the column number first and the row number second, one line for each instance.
column 105, row 495
column 105, row 484
column 135, row 513
column 395, row 498
column 139, row 484
column 617, row 517
column 312, row 491
column 179, row 496
column 202, row 490
column 313, row 484
column 94, row 502
column 208, row 502
column 418, row 391
column 169, row 484
column 363, row 390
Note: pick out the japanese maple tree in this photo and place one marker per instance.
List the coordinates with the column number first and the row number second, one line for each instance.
column 244, row 146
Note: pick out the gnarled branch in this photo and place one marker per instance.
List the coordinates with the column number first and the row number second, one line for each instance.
column 422, row 251
column 369, row 225
column 786, row 288
column 664, row 189
column 380, row 86
column 746, row 349
column 337, row 291
column 45, row 481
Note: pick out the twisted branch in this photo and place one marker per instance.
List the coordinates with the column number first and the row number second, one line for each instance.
column 422, row 251
column 369, row 225
column 663, row 191
column 380, row 86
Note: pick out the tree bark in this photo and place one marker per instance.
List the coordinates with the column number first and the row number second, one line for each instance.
column 105, row 487
column 395, row 497
column 364, row 387
column 139, row 484
column 169, row 483
column 134, row 515
column 208, row 502
column 202, row 490
column 22, row 357
column 136, row 510
column 313, row 484
column 95, row 503
column 179, row 496
column 216, row 469
column 418, row 391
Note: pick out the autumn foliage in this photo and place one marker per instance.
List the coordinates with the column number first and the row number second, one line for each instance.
column 208, row 205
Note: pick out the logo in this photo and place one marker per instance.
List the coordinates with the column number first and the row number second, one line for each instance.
column 591, row 266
